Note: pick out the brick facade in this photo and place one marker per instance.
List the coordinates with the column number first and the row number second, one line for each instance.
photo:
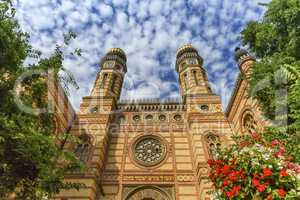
column 151, row 149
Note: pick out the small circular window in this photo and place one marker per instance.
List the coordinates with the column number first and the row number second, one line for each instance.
column 149, row 118
column 204, row 107
column 94, row 110
column 149, row 150
column 136, row 118
column 177, row 117
column 162, row 117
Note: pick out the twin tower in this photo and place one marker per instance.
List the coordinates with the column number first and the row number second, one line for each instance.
column 156, row 150
column 192, row 76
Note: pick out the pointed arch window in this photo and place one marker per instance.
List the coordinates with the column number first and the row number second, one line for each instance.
column 84, row 148
column 113, row 83
column 195, row 77
column 122, row 119
column 249, row 123
column 213, row 144
column 186, row 80
column 104, row 78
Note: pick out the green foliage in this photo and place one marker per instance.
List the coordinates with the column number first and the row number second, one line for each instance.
column 253, row 168
column 14, row 45
column 30, row 159
column 274, row 79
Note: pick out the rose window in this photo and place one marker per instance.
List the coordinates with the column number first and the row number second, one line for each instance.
column 149, row 151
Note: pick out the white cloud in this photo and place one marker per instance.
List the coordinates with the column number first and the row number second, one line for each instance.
column 105, row 10
column 119, row 2
column 150, row 32
column 155, row 7
column 122, row 20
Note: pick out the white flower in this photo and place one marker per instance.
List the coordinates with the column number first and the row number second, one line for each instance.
column 266, row 156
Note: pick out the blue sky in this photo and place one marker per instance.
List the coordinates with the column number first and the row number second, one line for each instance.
column 149, row 31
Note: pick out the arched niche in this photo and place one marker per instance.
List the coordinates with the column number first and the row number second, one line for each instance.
column 148, row 193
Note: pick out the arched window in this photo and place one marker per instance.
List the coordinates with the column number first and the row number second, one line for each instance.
column 84, row 148
column 103, row 80
column 213, row 143
column 113, row 83
column 195, row 77
column 122, row 119
column 186, row 80
column 249, row 123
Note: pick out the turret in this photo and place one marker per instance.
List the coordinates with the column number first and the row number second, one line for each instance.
column 244, row 59
column 111, row 75
column 192, row 76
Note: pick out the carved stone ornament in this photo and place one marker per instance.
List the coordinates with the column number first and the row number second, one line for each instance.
column 149, row 150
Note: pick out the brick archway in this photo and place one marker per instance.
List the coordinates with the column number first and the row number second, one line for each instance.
column 147, row 193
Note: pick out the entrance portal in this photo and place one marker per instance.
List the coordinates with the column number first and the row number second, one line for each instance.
column 147, row 193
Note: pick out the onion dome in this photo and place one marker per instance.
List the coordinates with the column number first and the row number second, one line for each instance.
column 115, row 54
column 118, row 52
column 187, row 51
column 239, row 53
column 187, row 48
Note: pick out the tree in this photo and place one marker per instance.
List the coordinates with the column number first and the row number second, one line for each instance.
column 275, row 41
column 30, row 158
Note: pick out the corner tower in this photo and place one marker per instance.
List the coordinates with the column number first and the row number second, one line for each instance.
column 110, row 78
column 192, row 75
column 244, row 60
column 243, row 112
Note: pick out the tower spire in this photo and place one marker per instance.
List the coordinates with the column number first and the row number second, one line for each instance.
column 111, row 75
column 192, row 75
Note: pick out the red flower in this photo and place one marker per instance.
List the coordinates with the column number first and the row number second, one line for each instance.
column 232, row 176
column 283, row 173
column 229, row 194
column 280, row 152
column 281, row 192
column 255, row 182
column 261, row 187
column 211, row 162
column 269, row 197
column 218, row 162
column 275, row 143
column 236, row 189
column 225, row 169
column 226, row 183
column 267, row 172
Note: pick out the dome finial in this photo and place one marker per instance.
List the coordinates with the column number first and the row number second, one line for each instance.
column 117, row 51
